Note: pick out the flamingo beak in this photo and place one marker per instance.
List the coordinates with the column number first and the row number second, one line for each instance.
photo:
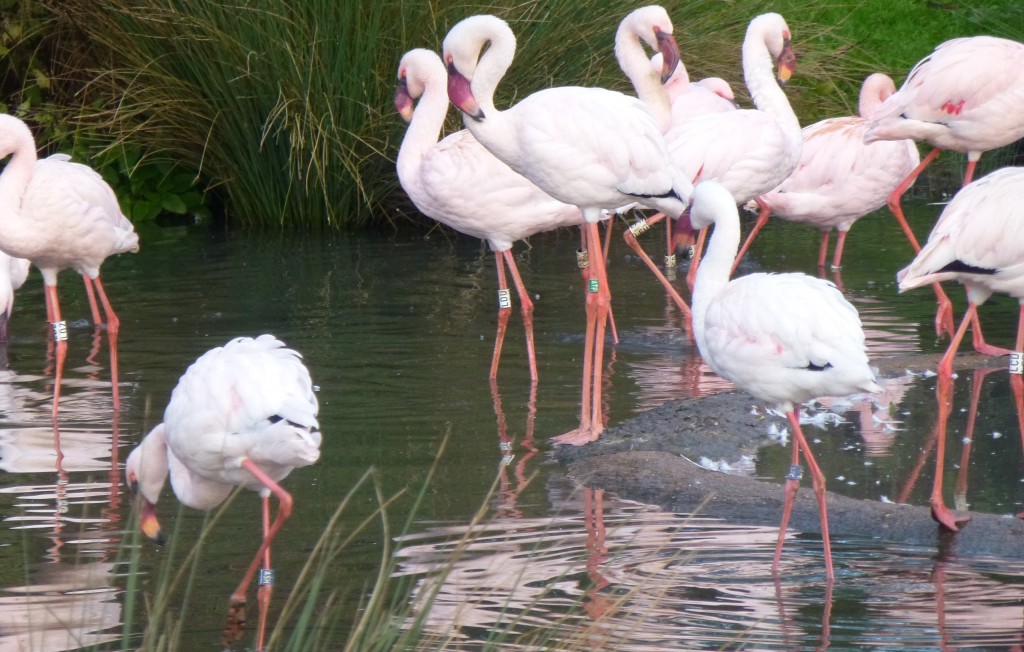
column 786, row 62
column 669, row 52
column 403, row 101
column 149, row 524
column 461, row 95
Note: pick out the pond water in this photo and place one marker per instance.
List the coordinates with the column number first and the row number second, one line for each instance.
column 397, row 330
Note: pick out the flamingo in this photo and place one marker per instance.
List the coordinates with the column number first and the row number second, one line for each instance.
column 978, row 240
column 784, row 338
column 840, row 178
column 965, row 96
column 459, row 183
column 59, row 214
column 589, row 147
column 242, row 415
column 748, row 151
column 13, row 273
column 689, row 99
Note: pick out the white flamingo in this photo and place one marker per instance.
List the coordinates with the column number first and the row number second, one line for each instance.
column 784, row 338
column 60, row 214
column 965, row 96
column 840, row 178
column 242, row 415
column 978, row 241
column 590, row 147
column 459, row 183
column 690, row 99
column 13, row 273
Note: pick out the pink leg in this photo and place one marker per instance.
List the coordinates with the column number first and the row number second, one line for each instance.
column 942, row 515
column 598, row 300
column 236, row 607
column 91, row 294
column 504, row 312
column 266, row 585
column 526, row 309
column 978, row 339
column 60, row 343
column 632, row 243
column 762, row 219
column 113, row 326
column 823, row 249
column 977, row 380
column 698, row 251
column 818, row 480
column 792, row 485
column 946, row 363
column 837, row 258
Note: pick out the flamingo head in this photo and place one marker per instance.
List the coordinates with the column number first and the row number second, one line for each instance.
column 786, row 61
column 461, row 94
column 145, row 471
column 148, row 522
column 669, row 50
column 403, row 100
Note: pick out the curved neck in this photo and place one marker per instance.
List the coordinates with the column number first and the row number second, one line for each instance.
column 715, row 266
column 152, row 464
column 633, row 61
column 765, row 92
column 424, row 128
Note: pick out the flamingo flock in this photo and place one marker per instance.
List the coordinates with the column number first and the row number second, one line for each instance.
column 686, row 151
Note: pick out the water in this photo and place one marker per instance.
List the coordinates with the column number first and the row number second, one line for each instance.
column 397, row 331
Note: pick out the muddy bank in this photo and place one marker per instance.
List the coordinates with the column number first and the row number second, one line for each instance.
column 653, row 458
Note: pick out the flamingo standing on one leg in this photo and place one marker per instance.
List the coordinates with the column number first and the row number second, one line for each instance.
column 590, row 147
column 242, row 415
column 964, row 96
column 840, row 178
column 459, row 183
column 978, row 241
column 748, row 151
column 60, row 214
column 784, row 338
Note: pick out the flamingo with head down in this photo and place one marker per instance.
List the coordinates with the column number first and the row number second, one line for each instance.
column 591, row 147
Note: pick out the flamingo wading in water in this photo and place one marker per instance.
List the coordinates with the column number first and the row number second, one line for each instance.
column 784, row 338
column 840, row 178
column 589, row 147
column 59, row 214
column 978, row 240
column 965, row 96
column 459, row 183
column 242, row 415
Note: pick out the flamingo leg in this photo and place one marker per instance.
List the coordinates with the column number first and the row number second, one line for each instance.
column 978, row 339
column 960, row 495
column 837, row 257
column 946, row 362
column 113, row 326
column 236, row 607
column 266, row 585
column 598, row 301
column 942, row 515
column 698, row 251
column 583, row 261
column 526, row 309
column 632, row 243
column 818, row 481
column 93, row 307
column 792, row 486
column 504, row 312
column 762, row 219
column 823, row 250
column 60, row 343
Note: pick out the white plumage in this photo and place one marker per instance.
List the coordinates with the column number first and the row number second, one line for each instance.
column 590, row 147
column 840, row 178
column 784, row 338
column 241, row 415
column 13, row 273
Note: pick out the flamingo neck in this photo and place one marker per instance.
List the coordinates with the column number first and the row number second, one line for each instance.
column 633, row 61
column 14, row 182
column 765, row 91
column 151, row 464
column 715, row 266
column 424, row 128
column 496, row 131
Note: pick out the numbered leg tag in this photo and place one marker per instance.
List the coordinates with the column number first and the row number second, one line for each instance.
column 1017, row 362
column 795, row 473
column 638, row 227
column 504, row 298
column 60, row 331
column 266, row 577
column 670, row 261
column 594, row 285
column 582, row 258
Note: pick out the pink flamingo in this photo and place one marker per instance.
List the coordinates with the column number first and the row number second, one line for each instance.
column 784, row 338
column 242, row 415
column 690, row 99
column 459, row 183
column 978, row 241
column 965, row 96
column 748, row 151
column 840, row 178
column 13, row 273
column 60, row 214
column 590, row 147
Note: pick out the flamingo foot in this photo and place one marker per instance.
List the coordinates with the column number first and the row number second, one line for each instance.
column 947, row 519
column 944, row 319
column 234, row 628
column 577, row 437
column 988, row 349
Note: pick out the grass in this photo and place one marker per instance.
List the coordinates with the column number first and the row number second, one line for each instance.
column 281, row 111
